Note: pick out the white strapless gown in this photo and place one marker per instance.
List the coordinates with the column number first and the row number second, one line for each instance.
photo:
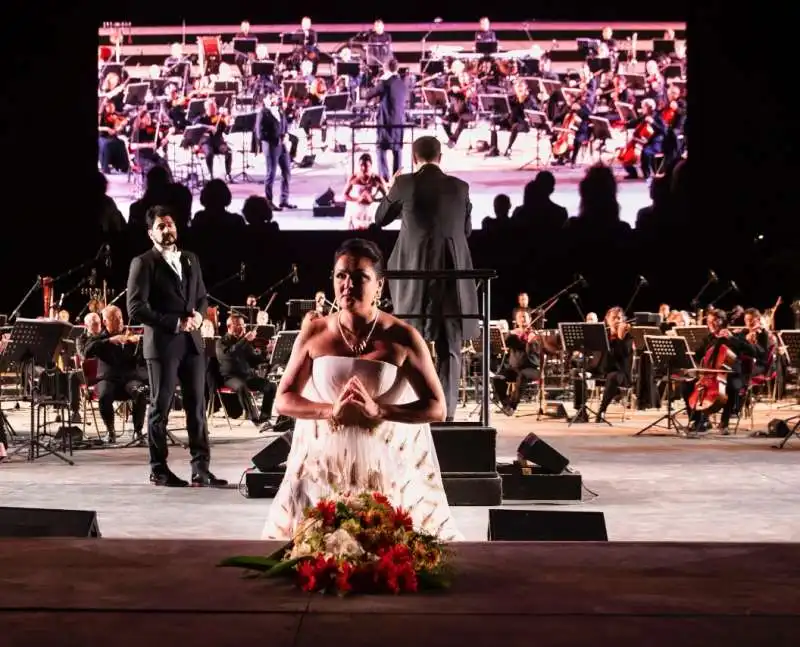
column 396, row 459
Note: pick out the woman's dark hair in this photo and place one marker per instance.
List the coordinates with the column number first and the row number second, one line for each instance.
column 361, row 248
column 366, row 157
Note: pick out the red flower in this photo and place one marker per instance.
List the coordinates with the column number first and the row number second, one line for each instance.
column 402, row 519
column 343, row 584
column 395, row 569
column 379, row 498
column 327, row 510
column 307, row 573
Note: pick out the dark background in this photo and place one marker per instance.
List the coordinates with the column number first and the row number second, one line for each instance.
column 742, row 137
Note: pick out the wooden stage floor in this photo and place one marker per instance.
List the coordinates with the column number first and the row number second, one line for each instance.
column 650, row 488
column 487, row 178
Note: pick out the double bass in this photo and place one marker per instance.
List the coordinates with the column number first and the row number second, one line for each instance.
column 710, row 392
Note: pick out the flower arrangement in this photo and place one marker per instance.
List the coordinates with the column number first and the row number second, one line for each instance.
column 357, row 544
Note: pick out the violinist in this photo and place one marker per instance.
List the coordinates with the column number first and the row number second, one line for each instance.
column 617, row 364
column 521, row 365
column 647, row 140
column 121, row 371
column 459, row 109
column 112, row 150
column 113, row 91
column 238, row 359
column 516, row 121
column 214, row 142
column 757, row 336
column 673, row 114
column 148, row 140
column 719, row 335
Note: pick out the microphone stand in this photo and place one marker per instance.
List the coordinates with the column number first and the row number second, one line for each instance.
column 77, row 286
column 725, row 292
column 118, row 297
column 276, row 285
column 639, row 286
column 211, row 297
column 224, row 281
column 549, row 303
column 574, row 299
column 695, row 303
column 425, row 45
column 36, row 285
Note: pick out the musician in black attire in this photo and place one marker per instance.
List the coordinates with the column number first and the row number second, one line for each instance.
column 121, row 371
column 651, row 146
column 485, row 34
column 617, row 364
column 379, row 44
column 516, row 121
column 459, row 112
column 392, row 92
column 674, row 116
column 93, row 327
column 755, row 334
column 307, row 38
column 521, row 365
column 719, row 335
column 149, row 139
column 271, row 128
column 214, row 142
column 238, row 360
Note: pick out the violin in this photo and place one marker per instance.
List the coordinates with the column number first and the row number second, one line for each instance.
column 710, row 394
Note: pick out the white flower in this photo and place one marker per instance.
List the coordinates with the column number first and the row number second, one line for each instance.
column 341, row 543
column 306, row 528
column 300, row 550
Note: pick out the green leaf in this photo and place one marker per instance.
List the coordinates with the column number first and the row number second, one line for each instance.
column 253, row 562
column 428, row 580
column 278, row 554
column 282, row 567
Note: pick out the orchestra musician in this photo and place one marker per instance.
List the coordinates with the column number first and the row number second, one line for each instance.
column 121, row 371
column 94, row 326
column 379, row 44
column 516, row 122
column 113, row 91
column 673, row 115
column 719, row 334
column 147, row 139
column 650, row 144
column 755, row 334
column 214, row 143
column 392, row 92
column 238, row 360
column 112, row 150
column 617, row 364
column 485, row 34
column 307, row 39
column 459, row 110
column 272, row 129
column 521, row 365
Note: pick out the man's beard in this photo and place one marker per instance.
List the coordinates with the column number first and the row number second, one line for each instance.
column 168, row 240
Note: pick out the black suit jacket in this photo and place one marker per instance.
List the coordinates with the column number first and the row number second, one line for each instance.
column 237, row 357
column 436, row 215
column 116, row 362
column 158, row 300
column 391, row 111
column 268, row 128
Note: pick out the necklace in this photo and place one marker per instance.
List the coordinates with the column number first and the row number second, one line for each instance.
column 359, row 348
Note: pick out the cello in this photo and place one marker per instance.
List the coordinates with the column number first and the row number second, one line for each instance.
column 710, row 392
column 632, row 152
column 565, row 141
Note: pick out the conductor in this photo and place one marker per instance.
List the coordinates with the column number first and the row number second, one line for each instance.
column 166, row 294
column 392, row 92
column 436, row 219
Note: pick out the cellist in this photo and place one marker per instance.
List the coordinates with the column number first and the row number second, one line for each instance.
column 647, row 140
column 719, row 335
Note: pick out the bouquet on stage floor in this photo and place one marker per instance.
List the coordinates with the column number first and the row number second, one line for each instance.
column 357, row 544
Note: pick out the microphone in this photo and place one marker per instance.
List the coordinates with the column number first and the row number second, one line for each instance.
column 107, row 254
column 642, row 281
column 712, row 276
column 61, row 301
column 574, row 297
column 242, row 270
column 295, row 278
column 734, row 287
column 93, row 277
column 579, row 279
column 437, row 20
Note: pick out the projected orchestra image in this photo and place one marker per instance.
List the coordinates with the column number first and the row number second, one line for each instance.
column 329, row 113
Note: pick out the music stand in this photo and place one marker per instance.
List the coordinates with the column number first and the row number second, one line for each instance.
column 136, row 93
column 537, row 121
column 529, row 67
column 282, row 350
column 192, row 137
column 601, row 131
column 695, row 336
column 244, row 123
column 494, row 104
column 262, row 68
column 245, row 46
column 672, row 353
column 38, row 341
column 790, row 340
column 584, row 338
column 348, row 68
column 486, row 47
column 294, row 89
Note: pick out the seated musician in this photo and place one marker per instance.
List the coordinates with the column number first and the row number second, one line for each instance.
column 757, row 335
column 617, row 364
column 673, row 115
column 147, row 140
column 576, row 121
column 214, row 143
column 238, row 359
column 112, row 150
column 112, row 90
column 650, row 145
column 121, row 371
column 459, row 109
column 94, row 326
column 717, row 322
column 522, row 364
column 516, row 121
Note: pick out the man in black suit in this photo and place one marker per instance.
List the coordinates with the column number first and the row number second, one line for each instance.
column 271, row 129
column 166, row 294
column 392, row 92
column 238, row 360
column 121, row 372
column 436, row 216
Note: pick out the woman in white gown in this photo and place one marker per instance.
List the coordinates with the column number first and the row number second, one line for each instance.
column 361, row 195
column 363, row 389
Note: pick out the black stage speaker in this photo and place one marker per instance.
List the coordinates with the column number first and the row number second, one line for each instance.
column 546, row 525
column 534, row 450
column 275, row 453
column 41, row 522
